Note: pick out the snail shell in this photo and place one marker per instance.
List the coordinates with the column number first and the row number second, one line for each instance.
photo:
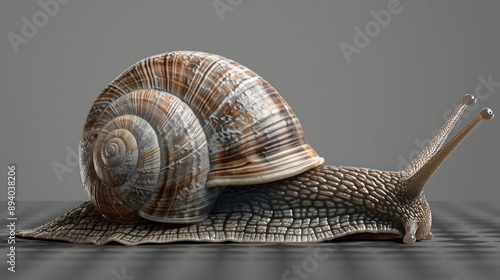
column 163, row 138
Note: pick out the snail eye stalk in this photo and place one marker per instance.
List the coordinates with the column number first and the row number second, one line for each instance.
column 418, row 172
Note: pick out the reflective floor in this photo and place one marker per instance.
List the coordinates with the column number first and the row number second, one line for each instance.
column 466, row 245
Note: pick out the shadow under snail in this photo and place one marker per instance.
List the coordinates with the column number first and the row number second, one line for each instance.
column 191, row 146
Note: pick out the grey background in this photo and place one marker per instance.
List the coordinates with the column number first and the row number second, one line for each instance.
column 368, row 112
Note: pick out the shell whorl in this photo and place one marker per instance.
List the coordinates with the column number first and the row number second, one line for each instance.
column 164, row 135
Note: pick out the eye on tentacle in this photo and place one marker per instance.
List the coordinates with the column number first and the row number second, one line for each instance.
column 419, row 171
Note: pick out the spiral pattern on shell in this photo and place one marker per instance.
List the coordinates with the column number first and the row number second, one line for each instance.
column 163, row 139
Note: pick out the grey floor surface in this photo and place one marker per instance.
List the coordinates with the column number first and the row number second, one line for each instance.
column 466, row 246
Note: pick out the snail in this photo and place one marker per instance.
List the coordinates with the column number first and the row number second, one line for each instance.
column 191, row 146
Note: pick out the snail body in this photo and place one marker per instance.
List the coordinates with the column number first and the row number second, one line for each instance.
column 190, row 146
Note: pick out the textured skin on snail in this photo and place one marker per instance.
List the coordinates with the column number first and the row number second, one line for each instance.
column 189, row 146
column 317, row 205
